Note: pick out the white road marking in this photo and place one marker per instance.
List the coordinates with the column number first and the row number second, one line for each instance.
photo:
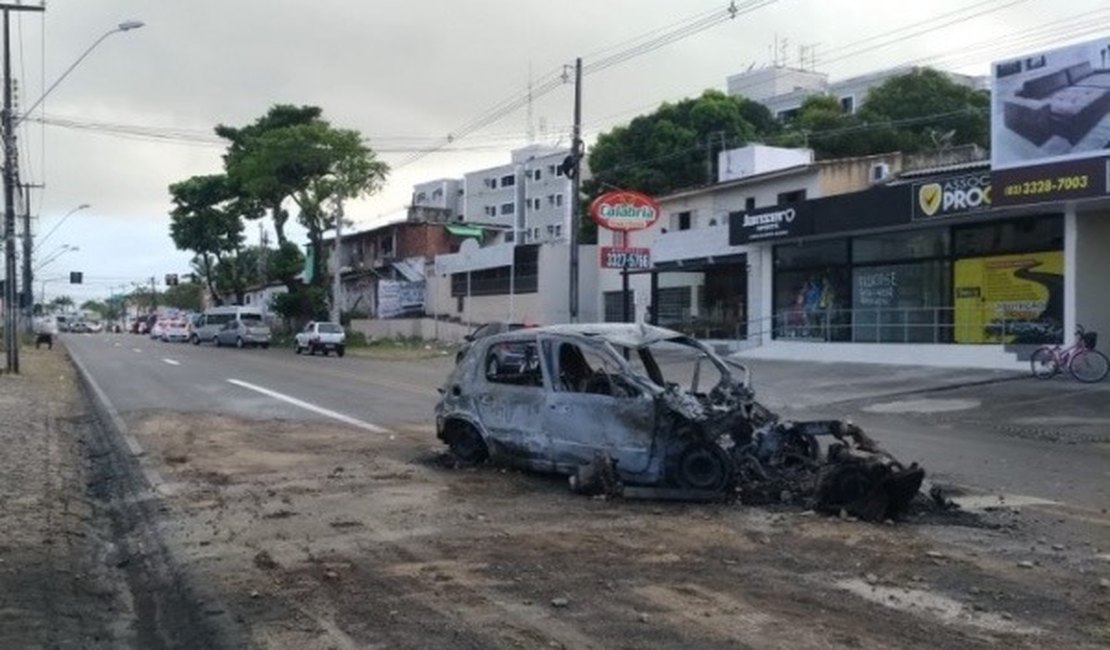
column 311, row 407
column 984, row 501
column 172, row 362
column 136, row 350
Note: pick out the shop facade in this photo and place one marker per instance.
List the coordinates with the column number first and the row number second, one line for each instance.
column 924, row 261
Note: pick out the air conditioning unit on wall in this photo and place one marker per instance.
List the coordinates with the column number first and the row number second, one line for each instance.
column 879, row 172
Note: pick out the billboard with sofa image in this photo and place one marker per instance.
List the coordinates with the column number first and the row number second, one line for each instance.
column 1051, row 106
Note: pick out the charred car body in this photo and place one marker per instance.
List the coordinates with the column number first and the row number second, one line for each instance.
column 621, row 406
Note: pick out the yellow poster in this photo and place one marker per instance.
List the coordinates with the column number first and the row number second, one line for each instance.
column 1009, row 298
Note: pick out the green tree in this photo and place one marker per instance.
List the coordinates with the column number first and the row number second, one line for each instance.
column 267, row 167
column 675, row 146
column 61, row 303
column 95, row 306
column 284, row 264
column 187, row 296
column 347, row 169
column 207, row 219
column 924, row 110
column 302, row 304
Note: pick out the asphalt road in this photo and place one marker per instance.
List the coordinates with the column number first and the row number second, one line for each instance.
column 138, row 373
column 1012, row 436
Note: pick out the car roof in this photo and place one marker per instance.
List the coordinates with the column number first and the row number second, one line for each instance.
column 629, row 335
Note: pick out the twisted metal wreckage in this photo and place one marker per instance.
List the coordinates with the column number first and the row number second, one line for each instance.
column 592, row 402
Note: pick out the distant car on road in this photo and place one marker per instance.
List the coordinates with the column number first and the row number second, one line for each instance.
column 321, row 337
column 247, row 330
column 175, row 331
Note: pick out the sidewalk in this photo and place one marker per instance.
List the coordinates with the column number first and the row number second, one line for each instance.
column 53, row 591
column 803, row 384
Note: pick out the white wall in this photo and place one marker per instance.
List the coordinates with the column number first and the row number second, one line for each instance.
column 758, row 159
column 1091, row 305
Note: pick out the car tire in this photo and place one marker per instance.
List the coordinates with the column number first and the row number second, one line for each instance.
column 239, row 342
column 265, row 346
column 340, row 351
column 466, row 444
column 324, row 350
column 216, row 340
column 704, row 467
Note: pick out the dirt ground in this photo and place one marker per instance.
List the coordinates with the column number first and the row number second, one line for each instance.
column 279, row 534
column 326, row 537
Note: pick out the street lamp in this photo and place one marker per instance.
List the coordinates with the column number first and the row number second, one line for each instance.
column 83, row 206
column 125, row 26
column 55, row 254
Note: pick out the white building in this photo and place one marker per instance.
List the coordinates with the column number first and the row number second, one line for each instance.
column 444, row 194
column 782, row 89
column 528, row 198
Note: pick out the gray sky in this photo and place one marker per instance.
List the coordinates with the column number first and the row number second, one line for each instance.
column 404, row 74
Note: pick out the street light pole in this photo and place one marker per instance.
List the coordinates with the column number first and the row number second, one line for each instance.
column 11, row 310
column 42, row 241
column 122, row 27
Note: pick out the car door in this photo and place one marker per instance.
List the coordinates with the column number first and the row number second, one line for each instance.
column 593, row 406
column 510, row 403
column 227, row 332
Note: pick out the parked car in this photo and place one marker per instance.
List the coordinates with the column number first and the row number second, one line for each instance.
column 78, row 327
column 207, row 325
column 175, row 331
column 506, row 356
column 321, row 337
column 247, row 330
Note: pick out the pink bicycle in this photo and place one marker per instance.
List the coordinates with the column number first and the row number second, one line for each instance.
column 1082, row 360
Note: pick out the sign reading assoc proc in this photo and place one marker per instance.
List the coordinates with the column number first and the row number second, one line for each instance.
column 952, row 196
column 624, row 210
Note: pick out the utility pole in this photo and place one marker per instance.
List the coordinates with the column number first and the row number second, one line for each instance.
column 576, row 155
column 337, row 279
column 11, row 309
column 28, row 279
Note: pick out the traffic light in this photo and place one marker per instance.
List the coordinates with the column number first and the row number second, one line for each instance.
column 171, row 279
column 75, row 277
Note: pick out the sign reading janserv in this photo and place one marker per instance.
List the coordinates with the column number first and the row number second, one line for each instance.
column 624, row 210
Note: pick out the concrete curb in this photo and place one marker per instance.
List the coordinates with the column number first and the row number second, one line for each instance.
column 110, row 418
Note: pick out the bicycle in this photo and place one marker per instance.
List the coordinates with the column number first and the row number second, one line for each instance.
column 1082, row 360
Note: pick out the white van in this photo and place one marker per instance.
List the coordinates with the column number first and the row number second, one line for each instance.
column 214, row 319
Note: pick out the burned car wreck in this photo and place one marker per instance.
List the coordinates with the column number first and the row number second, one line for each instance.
column 638, row 410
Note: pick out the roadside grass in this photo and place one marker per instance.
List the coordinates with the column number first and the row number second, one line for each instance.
column 398, row 348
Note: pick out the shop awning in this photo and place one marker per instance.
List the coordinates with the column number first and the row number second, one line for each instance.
column 463, row 231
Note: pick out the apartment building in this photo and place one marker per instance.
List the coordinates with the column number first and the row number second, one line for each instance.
column 782, row 89
column 526, row 200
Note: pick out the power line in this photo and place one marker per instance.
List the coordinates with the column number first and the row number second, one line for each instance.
column 699, row 23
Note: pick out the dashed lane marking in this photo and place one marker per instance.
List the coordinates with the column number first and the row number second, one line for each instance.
column 335, row 415
column 136, row 350
column 172, row 362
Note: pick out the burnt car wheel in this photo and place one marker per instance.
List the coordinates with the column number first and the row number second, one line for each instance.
column 702, row 466
column 466, row 444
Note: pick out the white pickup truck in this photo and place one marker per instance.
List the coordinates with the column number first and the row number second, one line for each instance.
column 321, row 337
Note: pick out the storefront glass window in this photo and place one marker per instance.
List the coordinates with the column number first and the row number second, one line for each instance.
column 897, row 246
column 831, row 252
column 901, row 303
column 814, row 304
column 1043, row 233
